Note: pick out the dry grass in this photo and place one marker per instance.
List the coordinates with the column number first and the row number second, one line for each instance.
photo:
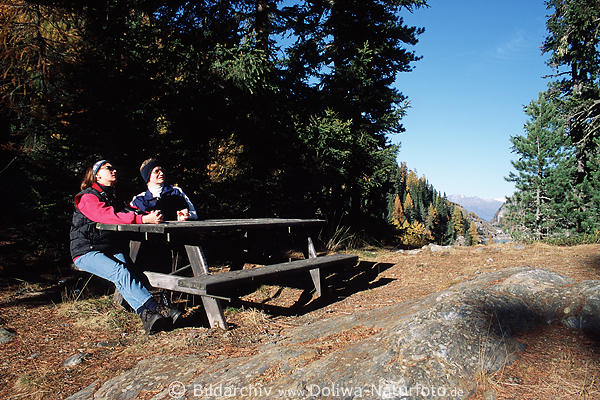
column 557, row 363
column 484, row 381
column 98, row 313
column 253, row 318
column 31, row 385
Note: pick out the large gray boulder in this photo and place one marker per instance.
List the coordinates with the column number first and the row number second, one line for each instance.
column 425, row 349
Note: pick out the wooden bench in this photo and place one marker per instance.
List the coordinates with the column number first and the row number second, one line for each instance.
column 207, row 285
column 216, row 285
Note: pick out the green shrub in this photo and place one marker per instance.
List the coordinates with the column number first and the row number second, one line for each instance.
column 573, row 240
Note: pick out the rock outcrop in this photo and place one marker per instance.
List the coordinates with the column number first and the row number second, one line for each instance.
column 425, row 349
column 6, row 335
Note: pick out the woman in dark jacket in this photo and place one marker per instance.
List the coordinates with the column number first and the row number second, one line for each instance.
column 103, row 253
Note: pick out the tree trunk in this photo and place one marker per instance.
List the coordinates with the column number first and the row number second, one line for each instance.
column 261, row 24
column 538, row 194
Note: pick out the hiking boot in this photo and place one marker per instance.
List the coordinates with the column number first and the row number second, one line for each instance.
column 166, row 309
column 168, row 312
column 154, row 322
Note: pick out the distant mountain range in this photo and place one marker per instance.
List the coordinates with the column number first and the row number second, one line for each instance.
column 484, row 208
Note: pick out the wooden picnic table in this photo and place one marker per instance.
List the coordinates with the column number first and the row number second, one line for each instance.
column 214, row 225
column 211, row 286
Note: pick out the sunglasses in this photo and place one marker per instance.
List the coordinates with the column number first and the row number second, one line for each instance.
column 108, row 167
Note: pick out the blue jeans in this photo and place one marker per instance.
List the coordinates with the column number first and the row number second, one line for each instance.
column 114, row 269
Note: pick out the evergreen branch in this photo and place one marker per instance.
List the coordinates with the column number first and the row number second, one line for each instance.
column 587, row 114
column 8, row 165
column 556, row 75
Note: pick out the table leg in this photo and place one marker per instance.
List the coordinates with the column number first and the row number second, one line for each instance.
column 315, row 274
column 212, row 306
column 134, row 249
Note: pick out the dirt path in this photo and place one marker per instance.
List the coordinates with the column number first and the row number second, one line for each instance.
column 557, row 362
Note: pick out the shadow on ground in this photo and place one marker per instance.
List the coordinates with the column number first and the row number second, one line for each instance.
column 76, row 286
column 337, row 285
column 594, row 262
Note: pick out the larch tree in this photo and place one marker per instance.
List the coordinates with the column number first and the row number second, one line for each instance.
column 409, row 208
column 458, row 221
column 398, row 214
column 473, row 234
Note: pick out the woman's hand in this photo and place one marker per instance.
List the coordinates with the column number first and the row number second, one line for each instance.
column 183, row 215
column 154, row 217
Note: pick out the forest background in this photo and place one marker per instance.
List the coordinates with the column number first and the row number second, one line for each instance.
column 268, row 108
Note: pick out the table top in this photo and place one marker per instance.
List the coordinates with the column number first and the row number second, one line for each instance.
column 212, row 225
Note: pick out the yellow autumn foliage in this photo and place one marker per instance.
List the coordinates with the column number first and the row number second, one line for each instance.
column 415, row 234
column 473, row 233
column 398, row 214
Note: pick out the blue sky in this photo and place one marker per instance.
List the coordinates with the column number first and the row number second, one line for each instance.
column 481, row 64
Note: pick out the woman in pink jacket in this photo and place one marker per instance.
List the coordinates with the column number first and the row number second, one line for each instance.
column 103, row 253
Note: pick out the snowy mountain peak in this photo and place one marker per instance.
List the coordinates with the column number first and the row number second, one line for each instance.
column 484, row 208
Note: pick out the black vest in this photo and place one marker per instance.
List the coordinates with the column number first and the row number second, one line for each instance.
column 85, row 237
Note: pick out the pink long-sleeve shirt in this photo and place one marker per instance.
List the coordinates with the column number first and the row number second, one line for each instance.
column 99, row 211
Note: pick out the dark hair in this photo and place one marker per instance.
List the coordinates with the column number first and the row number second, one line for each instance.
column 88, row 178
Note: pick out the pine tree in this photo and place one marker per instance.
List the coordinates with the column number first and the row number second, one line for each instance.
column 409, row 208
column 345, row 58
column 573, row 44
column 448, row 234
column 432, row 223
column 542, row 151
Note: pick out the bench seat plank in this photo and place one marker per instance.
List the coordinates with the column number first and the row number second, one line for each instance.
column 208, row 282
column 170, row 282
column 201, row 285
